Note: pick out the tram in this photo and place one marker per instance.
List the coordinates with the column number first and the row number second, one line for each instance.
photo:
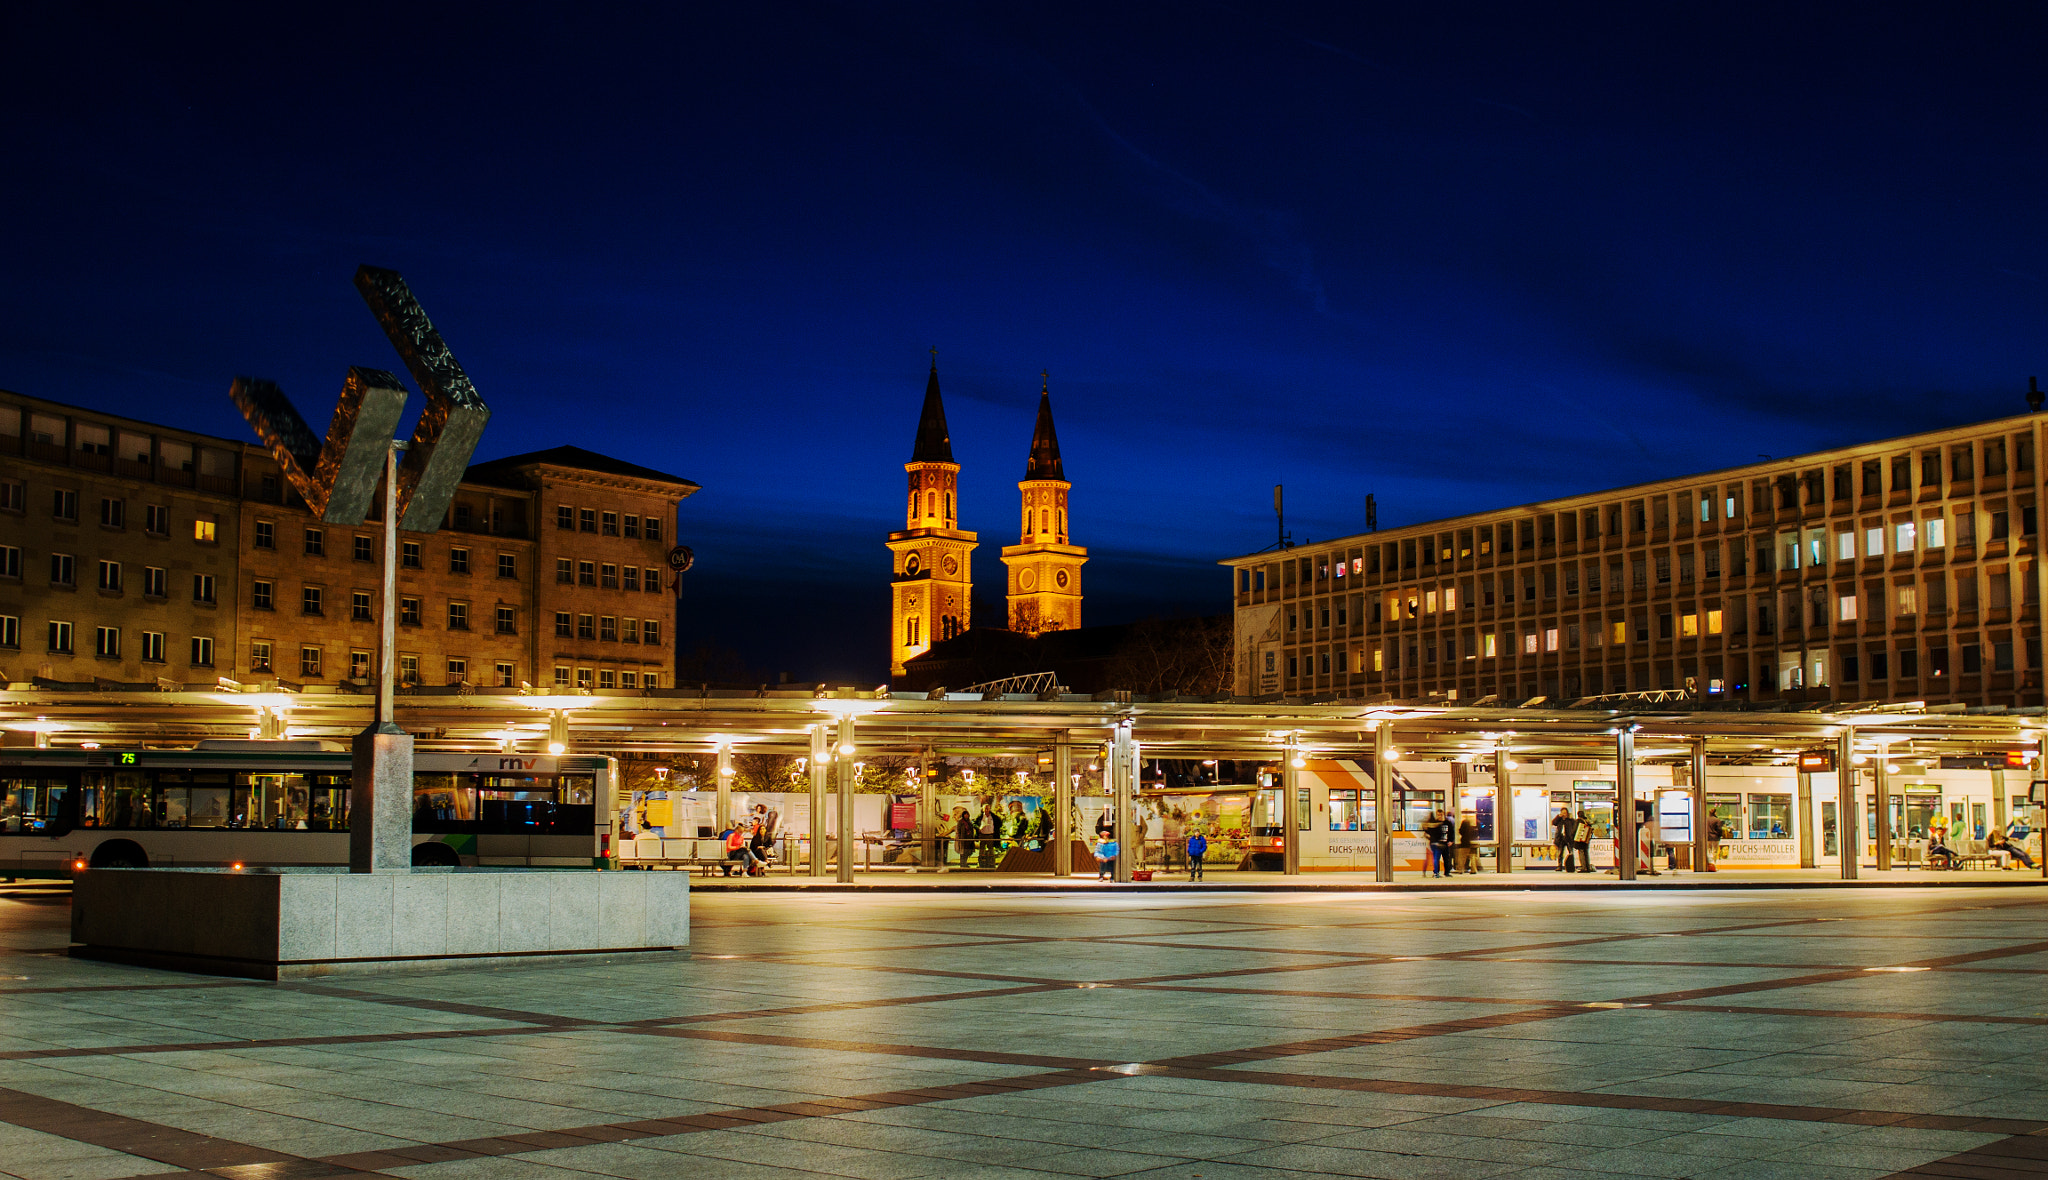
column 286, row 803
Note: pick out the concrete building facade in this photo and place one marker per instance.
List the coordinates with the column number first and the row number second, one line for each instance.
column 133, row 552
column 1900, row 570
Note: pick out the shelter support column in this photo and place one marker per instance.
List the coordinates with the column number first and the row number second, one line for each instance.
column 1625, row 803
column 724, row 784
column 1383, row 802
column 1699, row 806
column 821, row 759
column 1848, row 815
column 1291, row 763
column 1062, row 807
column 1503, row 812
column 927, row 810
column 1123, row 775
column 1884, row 809
column 1803, row 808
column 844, row 761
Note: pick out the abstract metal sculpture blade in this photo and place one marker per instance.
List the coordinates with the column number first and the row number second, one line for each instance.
column 454, row 419
column 291, row 442
column 352, row 462
column 338, row 478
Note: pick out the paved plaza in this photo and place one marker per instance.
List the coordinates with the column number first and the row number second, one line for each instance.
column 1225, row 1036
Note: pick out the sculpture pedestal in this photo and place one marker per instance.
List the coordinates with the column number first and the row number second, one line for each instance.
column 295, row 923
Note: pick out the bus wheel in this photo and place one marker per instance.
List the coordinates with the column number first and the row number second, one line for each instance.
column 434, row 854
column 120, row 854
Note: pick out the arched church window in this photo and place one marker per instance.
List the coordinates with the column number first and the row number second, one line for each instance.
column 949, row 505
column 931, row 503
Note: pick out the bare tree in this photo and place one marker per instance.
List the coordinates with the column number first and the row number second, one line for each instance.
column 1177, row 657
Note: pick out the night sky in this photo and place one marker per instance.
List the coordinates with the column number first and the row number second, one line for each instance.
column 1459, row 258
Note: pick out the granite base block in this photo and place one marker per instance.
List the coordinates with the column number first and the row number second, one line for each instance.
column 272, row 925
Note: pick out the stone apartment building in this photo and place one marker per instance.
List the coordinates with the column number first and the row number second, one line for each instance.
column 132, row 552
column 1900, row 570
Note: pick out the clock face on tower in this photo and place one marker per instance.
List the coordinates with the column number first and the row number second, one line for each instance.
column 950, row 564
column 1061, row 578
column 1027, row 579
column 910, row 565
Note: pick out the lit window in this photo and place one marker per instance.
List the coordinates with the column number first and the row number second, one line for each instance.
column 202, row 530
column 1550, row 639
column 1845, row 608
column 1529, row 643
column 1873, row 542
column 1688, row 626
column 1937, row 534
column 1845, row 546
column 1902, row 539
column 1489, row 645
column 1714, row 622
column 1909, row 600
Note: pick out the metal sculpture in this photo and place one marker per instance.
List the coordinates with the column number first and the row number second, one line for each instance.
column 338, row 479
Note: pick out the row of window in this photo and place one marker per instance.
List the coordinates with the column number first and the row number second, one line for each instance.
column 364, row 548
column 606, row 576
column 606, row 627
column 1870, row 602
column 1793, row 670
column 607, row 524
column 362, row 665
column 313, row 601
column 156, row 580
column 156, row 518
column 605, row 677
column 107, row 642
column 1527, row 535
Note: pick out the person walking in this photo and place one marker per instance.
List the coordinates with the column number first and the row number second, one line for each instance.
column 1105, row 856
column 1198, row 847
column 963, row 836
column 1468, row 844
column 1717, row 831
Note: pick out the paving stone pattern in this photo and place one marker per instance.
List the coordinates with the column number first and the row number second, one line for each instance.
column 1220, row 1036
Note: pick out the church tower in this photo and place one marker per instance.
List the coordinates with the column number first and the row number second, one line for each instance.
column 1045, row 571
column 933, row 588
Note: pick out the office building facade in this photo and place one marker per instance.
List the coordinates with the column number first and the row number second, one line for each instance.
column 133, row 552
column 1900, row 570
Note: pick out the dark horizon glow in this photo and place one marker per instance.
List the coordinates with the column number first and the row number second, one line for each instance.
column 1457, row 257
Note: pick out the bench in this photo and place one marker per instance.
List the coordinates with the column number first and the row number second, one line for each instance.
column 669, row 852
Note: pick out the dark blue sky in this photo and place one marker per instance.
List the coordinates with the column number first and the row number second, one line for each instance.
column 1455, row 256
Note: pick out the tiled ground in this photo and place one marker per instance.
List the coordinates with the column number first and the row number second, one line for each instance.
column 1822, row 1034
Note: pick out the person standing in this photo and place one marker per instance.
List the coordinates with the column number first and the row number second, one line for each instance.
column 1105, row 855
column 1442, row 832
column 1468, row 844
column 1717, row 831
column 1582, row 840
column 1198, row 847
column 1561, row 837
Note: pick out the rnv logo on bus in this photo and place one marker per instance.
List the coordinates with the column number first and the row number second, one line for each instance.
column 518, row 763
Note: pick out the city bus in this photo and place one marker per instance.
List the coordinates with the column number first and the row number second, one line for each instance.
column 283, row 803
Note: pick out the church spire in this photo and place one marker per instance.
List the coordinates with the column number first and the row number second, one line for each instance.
column 934, row 442
column 1044, row 461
